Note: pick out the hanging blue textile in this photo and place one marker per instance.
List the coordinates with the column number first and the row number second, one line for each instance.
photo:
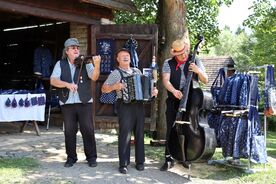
column 269, row 83
column 258, row 145
column 131, row 44
column 244, row 92
column 43, row 61
column 105, row 48
column 226, row 135
column 228, row 92
column 241, row 147
column 236, row 89
column 217, row 86
column 214, row 121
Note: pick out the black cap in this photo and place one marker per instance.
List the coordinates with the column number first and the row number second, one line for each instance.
column 121, row 50
column 230, row 66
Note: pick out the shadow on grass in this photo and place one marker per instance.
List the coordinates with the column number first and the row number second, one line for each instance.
column 18, row 163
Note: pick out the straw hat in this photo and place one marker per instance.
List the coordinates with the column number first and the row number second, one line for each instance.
column 179, row 47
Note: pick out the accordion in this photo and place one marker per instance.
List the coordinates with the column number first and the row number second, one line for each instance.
column 138, row 88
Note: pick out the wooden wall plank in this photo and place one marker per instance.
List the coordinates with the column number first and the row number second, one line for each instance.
column 64, row 10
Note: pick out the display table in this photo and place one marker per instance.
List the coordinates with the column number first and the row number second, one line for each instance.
column 32, row 111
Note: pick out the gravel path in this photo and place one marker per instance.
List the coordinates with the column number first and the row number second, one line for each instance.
column 49, row 150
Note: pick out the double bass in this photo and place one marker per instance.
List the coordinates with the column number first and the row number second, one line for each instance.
column 191, row 138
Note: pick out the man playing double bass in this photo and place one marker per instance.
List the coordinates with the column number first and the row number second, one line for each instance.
column 174, row 74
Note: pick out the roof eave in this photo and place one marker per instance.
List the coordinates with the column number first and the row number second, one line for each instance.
column 114, row 4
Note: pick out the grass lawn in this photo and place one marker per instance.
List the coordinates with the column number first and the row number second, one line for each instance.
column 14, row 170
column 225, row 173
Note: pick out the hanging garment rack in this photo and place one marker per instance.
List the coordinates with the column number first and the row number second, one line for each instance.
column 239, row 113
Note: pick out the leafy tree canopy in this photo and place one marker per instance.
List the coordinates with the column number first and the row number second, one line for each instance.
column 201, row 17
column 238, row 46
column 263, row 24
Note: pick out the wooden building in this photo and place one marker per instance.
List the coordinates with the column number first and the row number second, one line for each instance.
column 26, row 24
column 212, row 65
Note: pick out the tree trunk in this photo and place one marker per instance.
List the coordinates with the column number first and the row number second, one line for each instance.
column 171, row 19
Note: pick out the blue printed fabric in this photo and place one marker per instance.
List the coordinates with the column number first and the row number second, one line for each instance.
column 242, row 139
column 8, row 102
column 223, row 90
column 131, row 44
column 105, row 48
column 269, row 83
column 217, row 86
column 235, row 91
column 244, row 92
column 21, row 102
column 227, row 97
column 214, row 120
column 254, row 91
column 258, row 145
column 14, row 103
column 254, row 117
column 108, row 98
column 13, row 91
column 236, row 87
column 227, row 134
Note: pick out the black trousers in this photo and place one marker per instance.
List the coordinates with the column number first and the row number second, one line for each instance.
column 74, row 115
column 131, row 118
column 191, row 114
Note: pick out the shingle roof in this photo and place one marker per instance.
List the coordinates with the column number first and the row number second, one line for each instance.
column 213, row 64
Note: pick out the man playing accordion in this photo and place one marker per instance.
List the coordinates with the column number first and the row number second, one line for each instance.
column 131, row 113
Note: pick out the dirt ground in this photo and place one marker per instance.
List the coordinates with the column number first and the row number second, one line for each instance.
column 49, row 150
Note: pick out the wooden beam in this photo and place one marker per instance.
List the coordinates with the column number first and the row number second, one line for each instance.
column 124, row 36
column 126, row 5
column 52, row 10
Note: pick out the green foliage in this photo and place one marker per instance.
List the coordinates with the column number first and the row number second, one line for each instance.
column 263, row 24
column 147, row 11
column 155, row 153
column 201, row 17
column 238, row 46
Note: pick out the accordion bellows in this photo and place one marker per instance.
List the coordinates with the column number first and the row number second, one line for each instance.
column 138, row 88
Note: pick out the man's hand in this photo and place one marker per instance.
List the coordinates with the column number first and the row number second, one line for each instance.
column 194, row 68
column 154, row 91
column 201, row 74
column 97, row 61
column 118, row 86
column 72, row 87
column 178, row 94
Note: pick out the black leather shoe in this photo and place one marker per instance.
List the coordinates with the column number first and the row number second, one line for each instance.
column 187, row 164
column 166, row 166
column 92, row 164
column 140, row 167
column 69, row 163
column 172, row 163
column 123, row 169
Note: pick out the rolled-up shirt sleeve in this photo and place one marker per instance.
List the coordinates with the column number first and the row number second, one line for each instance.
column 113, row 78
column 166, row 67
column 89, row 69
column 56, row 71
